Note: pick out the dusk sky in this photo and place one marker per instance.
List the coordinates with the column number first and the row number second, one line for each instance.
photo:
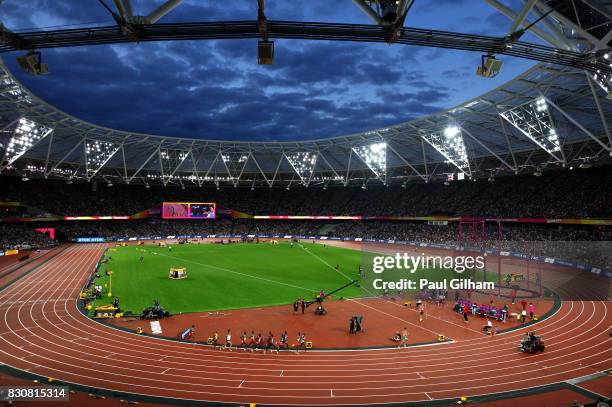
column 216, row 90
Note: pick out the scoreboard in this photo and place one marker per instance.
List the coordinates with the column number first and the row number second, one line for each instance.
column 189, row 210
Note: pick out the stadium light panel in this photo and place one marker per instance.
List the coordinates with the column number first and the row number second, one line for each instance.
column 14, row 89
column 375, row 157
column 449, row 142
column 25, row 135
column 534, row 121
column 97, row 154
column 234, row 164
column 170, row 160
column 603, row 81
column 303, row 163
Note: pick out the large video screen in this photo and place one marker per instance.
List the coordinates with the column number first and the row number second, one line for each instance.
column 188, row 210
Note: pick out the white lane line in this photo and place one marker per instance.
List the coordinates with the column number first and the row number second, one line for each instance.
column 166, row 370
column 581, row 379
column 281, row 373
column 428, row 396
column 564, row 341
column 393, row 316
column 241, row 383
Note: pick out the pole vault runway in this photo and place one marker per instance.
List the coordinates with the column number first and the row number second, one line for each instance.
column 43, row 332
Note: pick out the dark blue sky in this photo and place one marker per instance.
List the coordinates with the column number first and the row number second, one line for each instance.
column 215, row 89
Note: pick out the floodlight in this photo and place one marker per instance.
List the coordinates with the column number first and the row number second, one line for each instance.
column 489, row 67
column 451, row 131
column 31, row 63
column 303, row 163
column 265, row 52
column 604, row 81
column 449, row 142
column 25, row 135
column 533, row 119
column 375, row 157
column 97, row 153
column 171, row 160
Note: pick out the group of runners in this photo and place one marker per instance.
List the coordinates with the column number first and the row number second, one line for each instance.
column 255, row 342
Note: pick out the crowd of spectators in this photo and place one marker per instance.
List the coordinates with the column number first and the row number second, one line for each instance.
column 22, row 236
column 556, row 194
column 583, row 243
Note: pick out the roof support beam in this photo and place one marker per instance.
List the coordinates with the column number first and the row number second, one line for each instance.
column 580, row 126
column 518, row 21
column 329, row 165
column 556, row 30
column 545, row 8
column 365, row 9
column 179, row 164
column 162, row 10
column 424, row 177
column 348, row 167
column 125, row 176
column 82, row 141
column 537, row 31
column 280, row 160
column 488, row 149
column 510, row 149
column 602, row 116
column 260, row 170
column 156, row 151
column 49, row 151
column 125, row 8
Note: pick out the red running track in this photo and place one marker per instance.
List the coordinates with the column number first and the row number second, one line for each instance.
column 43, row 332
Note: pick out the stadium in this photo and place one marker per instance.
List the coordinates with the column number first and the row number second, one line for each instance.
column 400, row 203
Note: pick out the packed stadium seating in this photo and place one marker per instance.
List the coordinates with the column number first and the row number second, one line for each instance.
column 556, row 194
column 579, row 193
column 14, row 235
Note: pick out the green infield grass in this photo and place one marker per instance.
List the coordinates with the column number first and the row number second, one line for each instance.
column 227, row 276
column 241, row 275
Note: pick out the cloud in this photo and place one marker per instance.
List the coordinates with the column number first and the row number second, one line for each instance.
column 215, row 89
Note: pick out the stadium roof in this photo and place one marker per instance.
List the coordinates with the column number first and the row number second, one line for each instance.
column 55, row 144
column 549, row 116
